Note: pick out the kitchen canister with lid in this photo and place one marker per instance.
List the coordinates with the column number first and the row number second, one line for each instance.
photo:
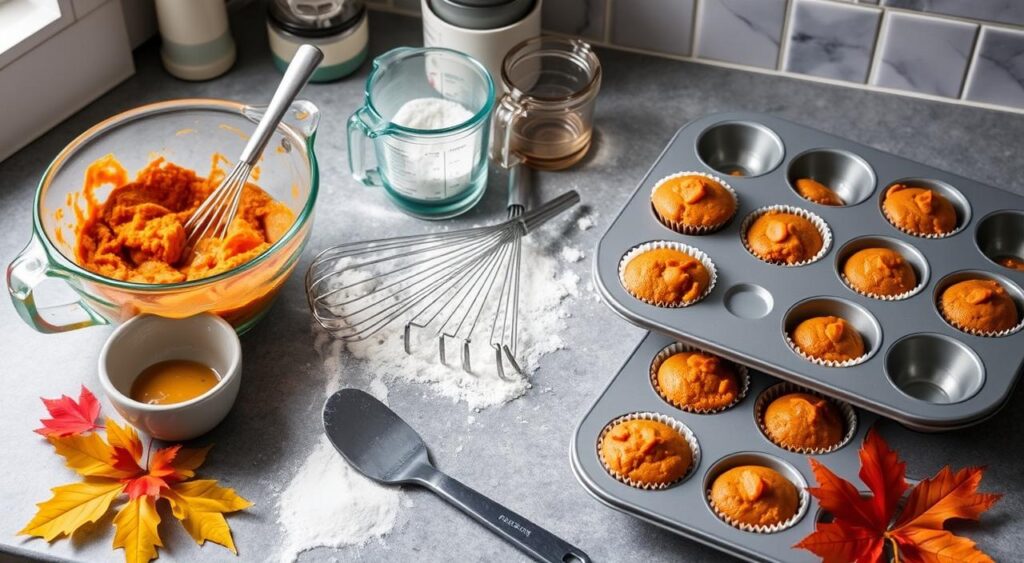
column 483, row 29
column 338, row 27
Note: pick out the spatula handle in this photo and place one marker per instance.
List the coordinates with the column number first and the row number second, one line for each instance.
column 520, row 532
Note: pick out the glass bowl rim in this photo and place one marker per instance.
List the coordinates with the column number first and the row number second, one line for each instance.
column 57, row 258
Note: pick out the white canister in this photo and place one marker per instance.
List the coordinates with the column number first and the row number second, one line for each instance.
column 339, row 28
column 196, row 39
column 487, row 45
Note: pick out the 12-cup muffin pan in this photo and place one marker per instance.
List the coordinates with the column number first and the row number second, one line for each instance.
column 726, row 439
column 919, row 370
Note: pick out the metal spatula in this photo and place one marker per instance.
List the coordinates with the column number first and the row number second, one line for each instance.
column 381, row 446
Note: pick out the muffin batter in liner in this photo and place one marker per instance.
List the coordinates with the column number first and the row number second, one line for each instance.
column 827, row 363
column 801, row 510
column 682, row 228
column 780, row 389
column 898, row 297
column 975, row 332
column 692, row 251
column 741, row 371
column 818, row 222
column 684, row 430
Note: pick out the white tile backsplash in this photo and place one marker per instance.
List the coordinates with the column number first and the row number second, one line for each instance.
column 585, row 18
column 997, row 76
column 656, row 25
column 831, row 39
column 923, row 54
column 1003, row 11
column 741, row 31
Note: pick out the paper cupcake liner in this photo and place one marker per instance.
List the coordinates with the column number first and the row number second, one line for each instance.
column 780, row 389
column 683, row 429
column 818, row 222
column 692, row 251
column 683, row 228
column 921, row 235
column 827, row 363
column 801, row 510
column 898, row 297
column 676, row 347
column 983, row 333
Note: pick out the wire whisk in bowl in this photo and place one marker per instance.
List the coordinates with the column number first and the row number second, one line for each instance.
column 456, row 286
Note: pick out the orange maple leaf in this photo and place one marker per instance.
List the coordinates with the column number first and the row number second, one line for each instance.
column 68, row 417
column 860, row 526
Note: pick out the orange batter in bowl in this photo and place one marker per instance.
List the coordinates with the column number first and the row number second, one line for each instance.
column 137, row 234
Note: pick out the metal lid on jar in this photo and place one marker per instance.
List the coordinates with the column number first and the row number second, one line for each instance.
column 481, row 14
column 315, row 18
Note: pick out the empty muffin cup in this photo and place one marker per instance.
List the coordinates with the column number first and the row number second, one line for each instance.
column 859, row 317
column 755, row 458
column 676, row 425
column 1012, row 289
column 696, row 253
column 846, row 412
column 1000, row 237
column 934, row 368
column 846, row 174
column 823, row 230
column 913, row 256
column 742, row 379
column 740, row 148
column 957, row 199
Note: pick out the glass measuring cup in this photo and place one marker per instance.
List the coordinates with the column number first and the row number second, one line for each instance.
column 545, row 118
column 428, row 173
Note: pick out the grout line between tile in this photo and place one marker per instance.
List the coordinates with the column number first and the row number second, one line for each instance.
column 608, row 11
column 695, row 27
column 879, row 48
column 971, row 64
column 784, row 38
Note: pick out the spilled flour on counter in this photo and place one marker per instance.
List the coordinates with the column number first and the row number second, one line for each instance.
column 542, row 319
column 329, row 504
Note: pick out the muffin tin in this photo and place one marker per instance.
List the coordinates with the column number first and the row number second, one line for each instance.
column 726, row 439
column 920, row 370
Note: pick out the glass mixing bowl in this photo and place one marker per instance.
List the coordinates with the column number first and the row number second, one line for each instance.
column 188, row 133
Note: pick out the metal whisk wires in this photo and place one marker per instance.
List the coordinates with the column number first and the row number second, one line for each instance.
column 447, row 284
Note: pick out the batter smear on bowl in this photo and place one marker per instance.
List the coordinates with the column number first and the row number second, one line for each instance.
column 137, row 234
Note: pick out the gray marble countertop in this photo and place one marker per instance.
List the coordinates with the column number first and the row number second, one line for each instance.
column 516, row 453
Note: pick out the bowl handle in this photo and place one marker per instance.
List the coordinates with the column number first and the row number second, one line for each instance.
column 27, row 270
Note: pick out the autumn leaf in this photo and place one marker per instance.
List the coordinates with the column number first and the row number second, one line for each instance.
column 126, row 445
column 68, row 417
column 71, row 507
column 201, row 505
column 835, row 542
column 89, row 455
column 188, row 460
column 160, row 465
column 884, row 474
column 947, row 495
column 924, row 545
column 136, row 530
column 860, row 527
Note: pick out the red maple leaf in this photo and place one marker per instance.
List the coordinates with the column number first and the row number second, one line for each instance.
column 70, row 417
column 861, row 526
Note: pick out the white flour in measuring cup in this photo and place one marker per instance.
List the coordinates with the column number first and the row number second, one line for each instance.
column 432, row 170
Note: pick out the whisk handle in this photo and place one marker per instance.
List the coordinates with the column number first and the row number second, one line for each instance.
column 305, row 61
column 549, row 209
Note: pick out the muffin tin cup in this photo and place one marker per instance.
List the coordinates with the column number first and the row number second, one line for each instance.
column 692, row 251
column 818, row 222
column 782, row 467
column 742, row 375
column 956, row 199
column 683, row 429
column 1015, row 293
column 683, row 228
column 774, row 392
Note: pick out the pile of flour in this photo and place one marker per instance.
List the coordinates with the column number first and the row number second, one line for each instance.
column 328, row 504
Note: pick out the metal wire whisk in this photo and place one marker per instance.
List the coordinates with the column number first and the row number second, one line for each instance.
column 444, row 283
column 214, row 216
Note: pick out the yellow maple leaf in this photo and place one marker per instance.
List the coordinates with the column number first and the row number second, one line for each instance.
column 124, row 437
column 201, row 505
column 136, row 530
column 89, row 455
column 188, row 460
column 71, row 507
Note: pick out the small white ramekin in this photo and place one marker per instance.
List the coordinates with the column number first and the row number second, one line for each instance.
column 148, row 339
